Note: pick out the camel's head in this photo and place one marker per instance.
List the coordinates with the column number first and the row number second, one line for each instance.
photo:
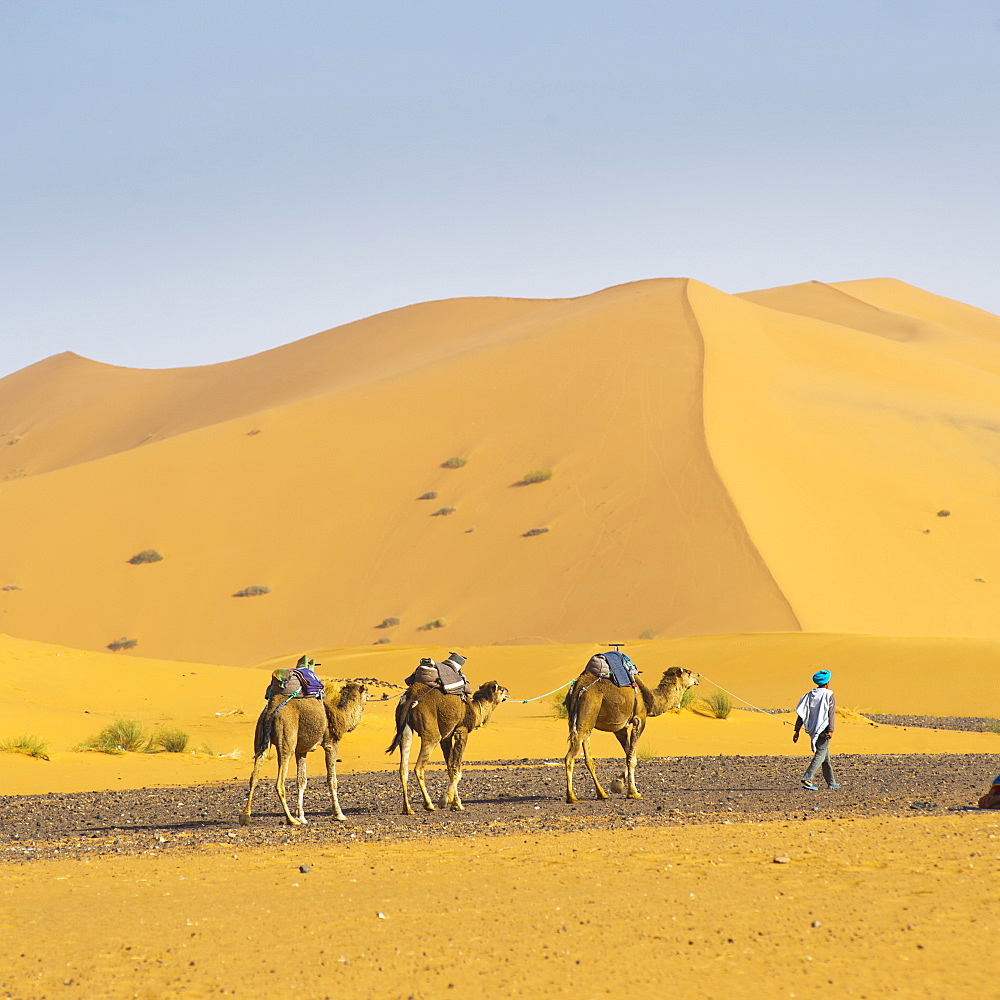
column 678, row 675
column 492, row 691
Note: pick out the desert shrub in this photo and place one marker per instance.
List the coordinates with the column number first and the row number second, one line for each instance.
column 992, row 726
column 13, row 586
column 254, row 590
column 171, row 740
column 534, row 531
column 944, row 513
column 443, row 512
column 536, row 476
column 645, row 754
column 146, row 556
column 251, row 433
column 383, row 641
column 123, row 643
column 719, row 704
column 122, row 736
column 433, row 623
column 454, row 463
column 649, row 633
column 32, row 746
column 558, row 704
column 688, row 697
column 389, row 622
column 429, row 495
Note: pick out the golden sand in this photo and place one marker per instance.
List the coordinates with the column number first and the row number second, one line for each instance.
column 859, row 908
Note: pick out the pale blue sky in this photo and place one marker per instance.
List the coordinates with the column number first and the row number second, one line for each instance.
column 188, row 181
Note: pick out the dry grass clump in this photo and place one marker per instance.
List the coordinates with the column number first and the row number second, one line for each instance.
column 389, row 622
column 13, row 586
column 531, row 532
column 443, row 512
column 433, row 623
column 719, row 704
column 30, row 746
column 429, row 495
column 384, row 640
column 535, row 476
column 454, row 462
column 121, row 736
column 688, row 698
column 146, row 556
column 254, row 590
column 170, row 740
column 851, row 714
column 123, row 643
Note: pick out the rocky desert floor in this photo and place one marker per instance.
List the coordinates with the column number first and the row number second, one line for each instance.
column 726, row 879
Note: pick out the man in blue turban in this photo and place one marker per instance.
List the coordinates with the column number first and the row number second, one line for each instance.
column 816, row 711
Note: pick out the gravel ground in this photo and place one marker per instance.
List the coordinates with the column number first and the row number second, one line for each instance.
column 960, row 723
column 501, row 797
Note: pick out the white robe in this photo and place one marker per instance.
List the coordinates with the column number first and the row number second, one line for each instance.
column 815, row 709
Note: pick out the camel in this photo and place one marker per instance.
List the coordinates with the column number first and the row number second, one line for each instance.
column 442, row 718
column 598, row 703
column 301, row 725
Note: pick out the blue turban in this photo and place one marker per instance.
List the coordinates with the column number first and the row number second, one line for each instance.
column 821, row 677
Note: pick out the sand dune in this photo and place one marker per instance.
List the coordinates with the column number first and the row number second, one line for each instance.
column 721, row 464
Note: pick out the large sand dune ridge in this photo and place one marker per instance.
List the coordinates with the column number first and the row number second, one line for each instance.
column 768, row 462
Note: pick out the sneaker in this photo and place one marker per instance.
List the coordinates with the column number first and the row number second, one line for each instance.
column 832, row 787
column 810, row 785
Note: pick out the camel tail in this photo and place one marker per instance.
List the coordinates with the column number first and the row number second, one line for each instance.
column 402, row 718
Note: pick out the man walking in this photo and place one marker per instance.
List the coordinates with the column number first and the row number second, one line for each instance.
column 815, row 711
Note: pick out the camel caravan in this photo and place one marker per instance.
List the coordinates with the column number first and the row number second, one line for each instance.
column 440, row 707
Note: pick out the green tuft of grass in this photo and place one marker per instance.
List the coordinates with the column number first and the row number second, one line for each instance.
column 535, row 476
column 454, row 462
column 31, row 746
column 688, row 698
column 171, row 740
column 558, row 704
column 146, row 556
column 992, row 726
column 719, row 704
column 433, row 623
column 254, row 590
column 121, row 736
column 123, row 643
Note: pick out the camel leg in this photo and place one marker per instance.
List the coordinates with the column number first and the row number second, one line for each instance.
column 279, row 786
column 300, row 785
column 574, row 749
column 426, row 747
column 601, row 793
column 405, row 742
column 446, row 751
column 245, row 815
column 629, row 739
column 330, row 749
column 454, row 754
